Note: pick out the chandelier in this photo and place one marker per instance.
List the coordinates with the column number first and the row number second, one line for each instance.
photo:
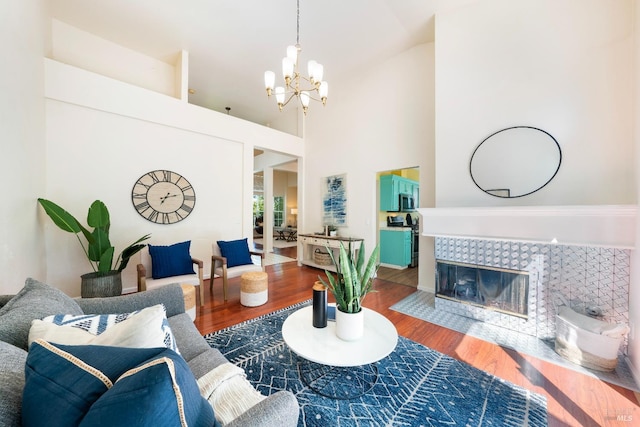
column 314, row 87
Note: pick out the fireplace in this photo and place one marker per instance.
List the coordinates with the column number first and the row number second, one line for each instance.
column 499, row 289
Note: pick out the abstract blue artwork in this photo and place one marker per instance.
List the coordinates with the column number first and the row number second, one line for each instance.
column 334, row 203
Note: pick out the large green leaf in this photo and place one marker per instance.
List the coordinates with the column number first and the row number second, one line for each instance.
column 98, row 215
column 63, row 219
column 131, row 250
column 104, row 264
column 100, row 244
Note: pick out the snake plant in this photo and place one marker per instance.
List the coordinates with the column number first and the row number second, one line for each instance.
column 353, row 280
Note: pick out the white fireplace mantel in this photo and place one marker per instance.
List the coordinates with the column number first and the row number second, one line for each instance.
column 599, row 225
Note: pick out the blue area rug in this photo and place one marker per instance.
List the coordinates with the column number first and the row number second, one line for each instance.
column 417, row 386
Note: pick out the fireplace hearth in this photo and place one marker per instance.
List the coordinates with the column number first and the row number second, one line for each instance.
column 499, row 289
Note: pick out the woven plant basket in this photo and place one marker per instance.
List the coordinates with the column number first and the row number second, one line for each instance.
column 321, row 258
column 108, row 285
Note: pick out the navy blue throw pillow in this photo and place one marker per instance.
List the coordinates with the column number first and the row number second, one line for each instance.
column 168, row 261
column 91, row 385
column 236, row 252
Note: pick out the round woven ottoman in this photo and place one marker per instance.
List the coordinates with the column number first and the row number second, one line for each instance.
column 254, row 288
column 189, row 293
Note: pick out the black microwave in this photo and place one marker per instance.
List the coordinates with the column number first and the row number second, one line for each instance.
column 407, row 203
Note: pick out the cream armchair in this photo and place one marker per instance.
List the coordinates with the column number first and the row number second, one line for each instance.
column 146, row 274
column 232, row 259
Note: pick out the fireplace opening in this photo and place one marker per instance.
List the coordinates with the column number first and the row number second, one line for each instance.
column 493, row 288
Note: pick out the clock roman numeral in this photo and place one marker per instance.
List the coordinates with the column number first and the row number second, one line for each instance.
column 153, row 216
column 189, row 197
column 166, row 175
column 143, row 206
column 144, row 185
column 140, row 196
column 153, row 177
column 186, row 208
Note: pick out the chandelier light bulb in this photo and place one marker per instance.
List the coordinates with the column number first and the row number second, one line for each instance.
column 269, row 81
column 292, row 53
column 287, row 68
column 304, row 98
column 311, row 68
column 318, row 72
column 280, row 96
column 323, row 91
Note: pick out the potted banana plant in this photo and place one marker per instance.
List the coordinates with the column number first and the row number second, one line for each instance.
column 350, row 285
column 106, row 278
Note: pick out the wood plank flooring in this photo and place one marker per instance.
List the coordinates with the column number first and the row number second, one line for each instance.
column 406, row 276
column 573, row 399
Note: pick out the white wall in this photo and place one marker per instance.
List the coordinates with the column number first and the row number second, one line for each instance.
column 23, row 30
column 102, row 134
column 97, row 155
column 84, row 50
column 562, row 66
column 634, row 290
column 376, row 121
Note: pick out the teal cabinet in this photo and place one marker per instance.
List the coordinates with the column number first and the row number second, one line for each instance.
column 391, row 186
column 395, row 247
column 389, row 193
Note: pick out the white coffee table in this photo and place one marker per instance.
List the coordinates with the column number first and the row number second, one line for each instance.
column 333, row 367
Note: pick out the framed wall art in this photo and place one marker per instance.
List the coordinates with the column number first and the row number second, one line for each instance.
column 334, row 203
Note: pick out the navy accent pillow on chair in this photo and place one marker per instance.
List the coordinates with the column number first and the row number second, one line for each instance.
column 168, row 261
column 236, row 252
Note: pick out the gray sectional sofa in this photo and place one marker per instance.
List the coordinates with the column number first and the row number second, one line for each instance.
column 38, row 300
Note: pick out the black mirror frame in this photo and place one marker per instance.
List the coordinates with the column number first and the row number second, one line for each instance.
column 508, row 196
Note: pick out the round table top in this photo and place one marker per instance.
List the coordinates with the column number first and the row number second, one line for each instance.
column 321, row 345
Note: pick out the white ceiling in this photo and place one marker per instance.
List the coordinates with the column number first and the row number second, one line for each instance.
column 232, row 42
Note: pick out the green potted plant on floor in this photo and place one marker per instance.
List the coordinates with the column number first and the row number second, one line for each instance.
column 351, row 283
column 106, row 278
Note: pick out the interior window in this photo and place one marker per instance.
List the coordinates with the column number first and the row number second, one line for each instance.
column 278, row 211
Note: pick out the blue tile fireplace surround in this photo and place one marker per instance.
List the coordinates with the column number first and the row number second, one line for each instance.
column 596, row 277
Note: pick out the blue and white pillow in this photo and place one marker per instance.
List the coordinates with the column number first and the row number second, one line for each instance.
column 146, row 328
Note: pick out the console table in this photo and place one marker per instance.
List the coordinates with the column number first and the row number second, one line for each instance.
column 308, row 243
column 285, row 233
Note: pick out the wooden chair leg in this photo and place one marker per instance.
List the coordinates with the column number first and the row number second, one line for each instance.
column 224, row 282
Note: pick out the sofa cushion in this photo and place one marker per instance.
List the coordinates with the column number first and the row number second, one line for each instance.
column 173, row 260
column 236, row 252
column 12, row 360
column 144, row 328
column 110, row 386
column 35, row 301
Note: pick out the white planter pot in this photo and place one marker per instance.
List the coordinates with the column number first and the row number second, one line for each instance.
column 349, row 326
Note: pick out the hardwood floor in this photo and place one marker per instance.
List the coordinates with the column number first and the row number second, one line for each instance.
column 573, row 399
column 407, row 276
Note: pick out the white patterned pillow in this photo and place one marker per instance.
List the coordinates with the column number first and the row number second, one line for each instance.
column 146, row 328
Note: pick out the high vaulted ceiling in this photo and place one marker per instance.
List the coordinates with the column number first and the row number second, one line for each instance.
column 232, row 42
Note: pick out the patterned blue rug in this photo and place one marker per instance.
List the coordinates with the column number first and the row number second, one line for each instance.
column 417, row 386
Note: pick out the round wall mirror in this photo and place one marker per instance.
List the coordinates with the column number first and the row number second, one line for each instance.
column 515, row 161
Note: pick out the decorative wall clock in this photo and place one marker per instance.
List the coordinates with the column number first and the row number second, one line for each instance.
column 163, row 197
